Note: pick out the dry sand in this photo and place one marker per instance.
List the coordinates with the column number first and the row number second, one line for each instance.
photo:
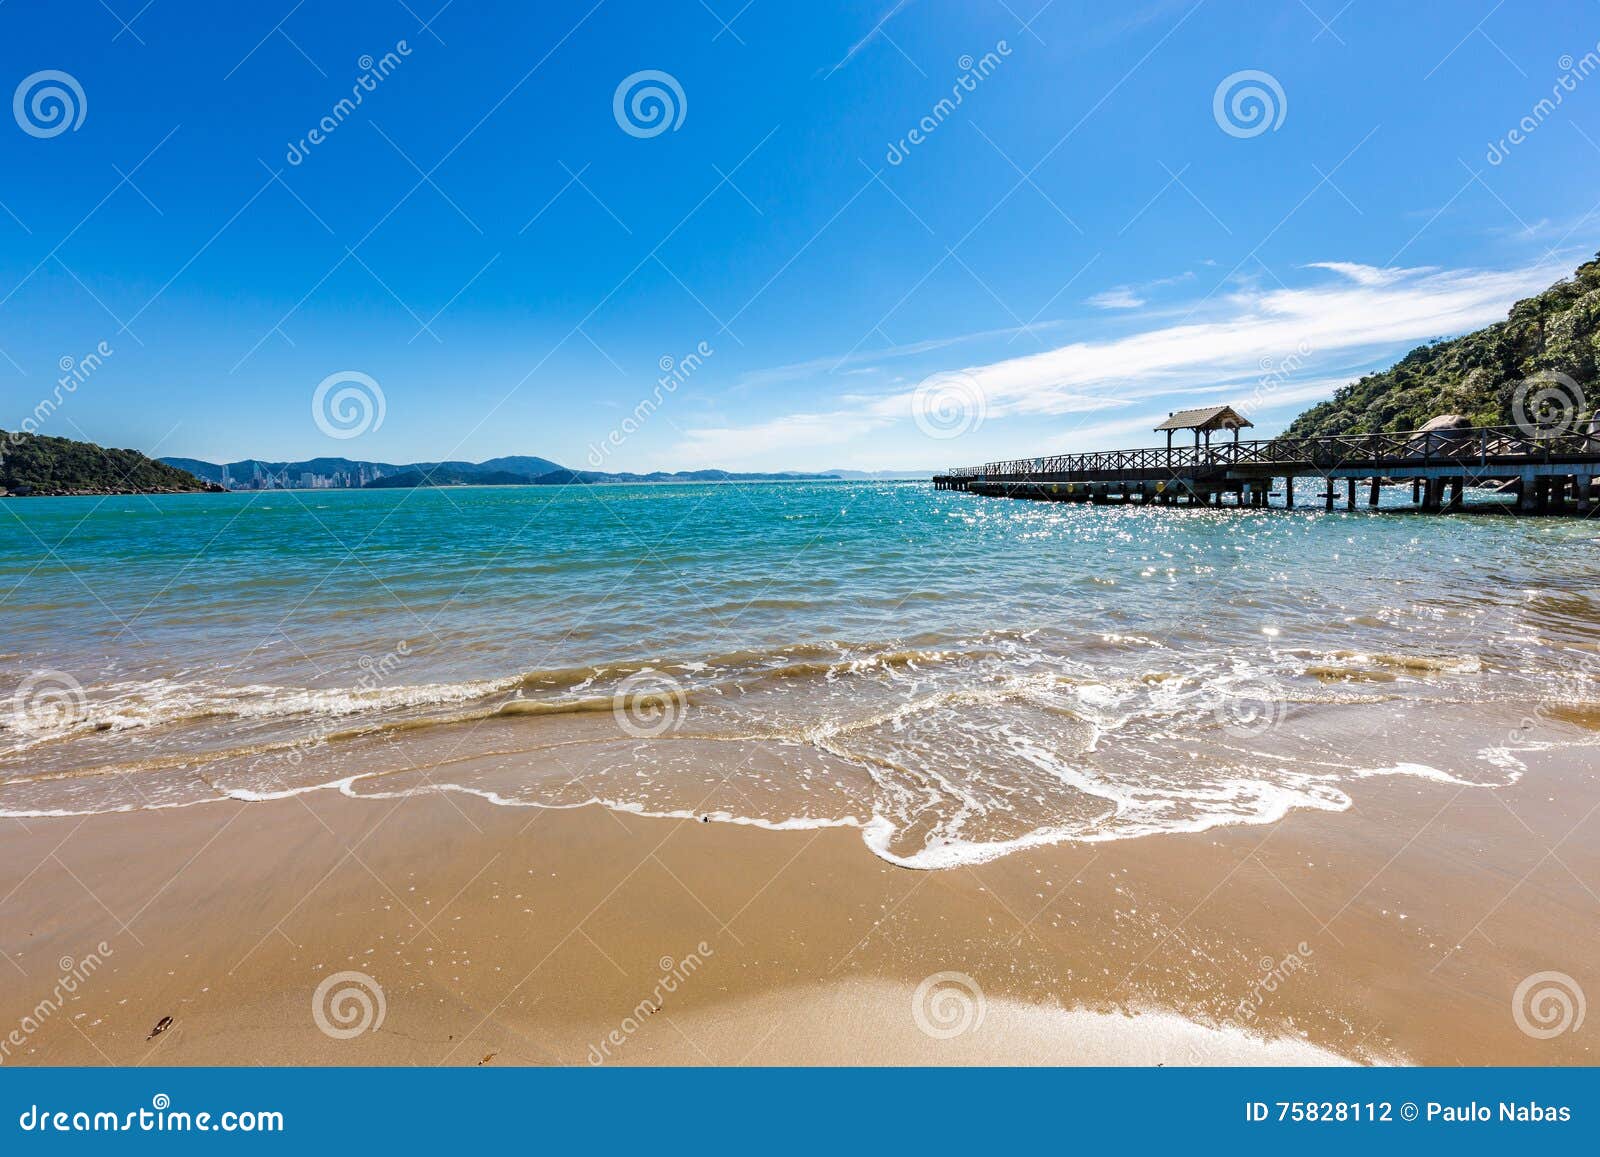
column 1397, row 931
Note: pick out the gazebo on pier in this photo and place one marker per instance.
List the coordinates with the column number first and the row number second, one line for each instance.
column 1203, row 421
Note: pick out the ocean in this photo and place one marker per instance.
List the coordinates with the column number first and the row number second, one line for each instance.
column 956, row 677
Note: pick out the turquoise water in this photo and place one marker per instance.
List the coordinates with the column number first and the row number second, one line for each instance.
column 956, row 676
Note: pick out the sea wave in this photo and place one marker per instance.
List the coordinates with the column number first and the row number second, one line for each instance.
column 939, row 751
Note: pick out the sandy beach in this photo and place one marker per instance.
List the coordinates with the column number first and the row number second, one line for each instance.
column 1394, row 932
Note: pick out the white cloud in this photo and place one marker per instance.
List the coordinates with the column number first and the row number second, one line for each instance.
column 1117, row 297
column 836, row 364
column 1327, row 328
column 1366, row 274
column 1133, row 296
column 1343, row 318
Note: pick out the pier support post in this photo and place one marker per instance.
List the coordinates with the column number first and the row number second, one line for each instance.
column 1416, row 491
column 1288, row 492
column 1372, row 495
column 1527, row 495
column 1350, row 494
column 1433, row 494
column 1587, row 494
column 1457, row 486
column 1328, row 495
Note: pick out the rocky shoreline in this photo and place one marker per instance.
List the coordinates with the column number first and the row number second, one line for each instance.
column 26, row 491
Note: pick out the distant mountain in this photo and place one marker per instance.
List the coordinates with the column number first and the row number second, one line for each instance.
column 39, row 465
column 512, row 470
column 252, row 473
column 1477, row 375
column 524, row 464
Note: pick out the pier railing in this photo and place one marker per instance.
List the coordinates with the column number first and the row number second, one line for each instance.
column 1481, row 444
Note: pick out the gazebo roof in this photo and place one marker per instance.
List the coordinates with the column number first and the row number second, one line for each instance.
column 1205, row 418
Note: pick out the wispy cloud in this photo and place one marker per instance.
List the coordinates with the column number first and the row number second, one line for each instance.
column 852, row 361
column 867, row 39
column 1134, row 296
column 1366, row 274
column 1117, row 297
column 1329, row 326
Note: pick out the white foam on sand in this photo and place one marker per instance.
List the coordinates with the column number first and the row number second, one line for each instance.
column 877, row 1022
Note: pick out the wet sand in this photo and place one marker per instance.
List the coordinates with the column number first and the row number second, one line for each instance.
column 1395, row 932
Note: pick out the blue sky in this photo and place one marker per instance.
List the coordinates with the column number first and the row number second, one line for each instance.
column 1090, row 237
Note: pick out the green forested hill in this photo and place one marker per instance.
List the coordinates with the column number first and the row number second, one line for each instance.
column 1476, row 374
column 42, row 465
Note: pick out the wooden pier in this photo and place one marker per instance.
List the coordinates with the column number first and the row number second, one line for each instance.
column 1551, row 472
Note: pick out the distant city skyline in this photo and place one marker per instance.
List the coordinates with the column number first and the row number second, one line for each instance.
column 884, row 236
